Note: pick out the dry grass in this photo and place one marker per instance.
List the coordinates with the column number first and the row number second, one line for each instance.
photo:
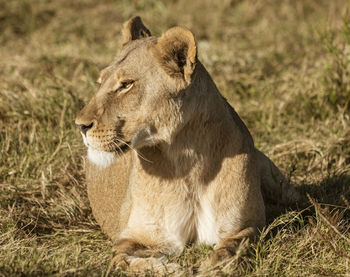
column 284, row 65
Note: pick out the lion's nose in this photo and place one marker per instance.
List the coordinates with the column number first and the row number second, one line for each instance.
column 84, row 128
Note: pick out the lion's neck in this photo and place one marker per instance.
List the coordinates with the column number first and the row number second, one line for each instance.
column 202, row 143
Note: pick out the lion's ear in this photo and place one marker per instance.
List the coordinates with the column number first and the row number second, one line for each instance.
column 134, row 29
column 176, row 51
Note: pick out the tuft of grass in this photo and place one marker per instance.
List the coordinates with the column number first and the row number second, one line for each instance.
column 283, row 65
column 337, row 77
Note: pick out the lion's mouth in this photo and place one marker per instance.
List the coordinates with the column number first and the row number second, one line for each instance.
column 112, row 147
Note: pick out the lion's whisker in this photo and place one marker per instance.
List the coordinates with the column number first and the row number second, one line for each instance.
column 132, row 148
column 121, row 150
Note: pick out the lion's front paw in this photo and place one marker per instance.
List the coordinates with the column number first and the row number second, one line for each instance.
column 121, row 261
column 215, row 258
column 220, row 255
column 136, row 265
column 232, row 250
column 158, row 266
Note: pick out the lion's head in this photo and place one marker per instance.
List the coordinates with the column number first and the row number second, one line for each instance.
column 143, row 97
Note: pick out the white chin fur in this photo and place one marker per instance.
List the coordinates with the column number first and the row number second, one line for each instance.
column 101, row 158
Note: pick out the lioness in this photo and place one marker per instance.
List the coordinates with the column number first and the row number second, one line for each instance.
column 169, row 160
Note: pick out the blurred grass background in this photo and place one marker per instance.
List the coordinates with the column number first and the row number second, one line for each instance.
column 285, row 67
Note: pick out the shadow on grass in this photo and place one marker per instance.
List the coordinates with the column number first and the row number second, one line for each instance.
column 331, row 193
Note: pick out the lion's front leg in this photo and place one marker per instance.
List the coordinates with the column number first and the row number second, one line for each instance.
column 136, row 257
column 236, row 217
column 133, row 256
column 228, row 247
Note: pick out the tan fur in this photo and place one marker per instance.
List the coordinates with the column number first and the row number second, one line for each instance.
column 184, row 167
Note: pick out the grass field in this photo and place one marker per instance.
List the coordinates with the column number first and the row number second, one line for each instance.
column 285, row 67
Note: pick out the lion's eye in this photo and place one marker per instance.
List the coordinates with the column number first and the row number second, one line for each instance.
column 125, row 85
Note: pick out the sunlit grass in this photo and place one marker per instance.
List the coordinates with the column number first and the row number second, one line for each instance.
column 284, row 66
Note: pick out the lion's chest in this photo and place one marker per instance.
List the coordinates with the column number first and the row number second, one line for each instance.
column 192, row 220
column 179, row 208
column 182, row 210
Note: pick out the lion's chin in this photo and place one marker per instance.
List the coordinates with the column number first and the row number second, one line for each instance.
column 101, row 158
